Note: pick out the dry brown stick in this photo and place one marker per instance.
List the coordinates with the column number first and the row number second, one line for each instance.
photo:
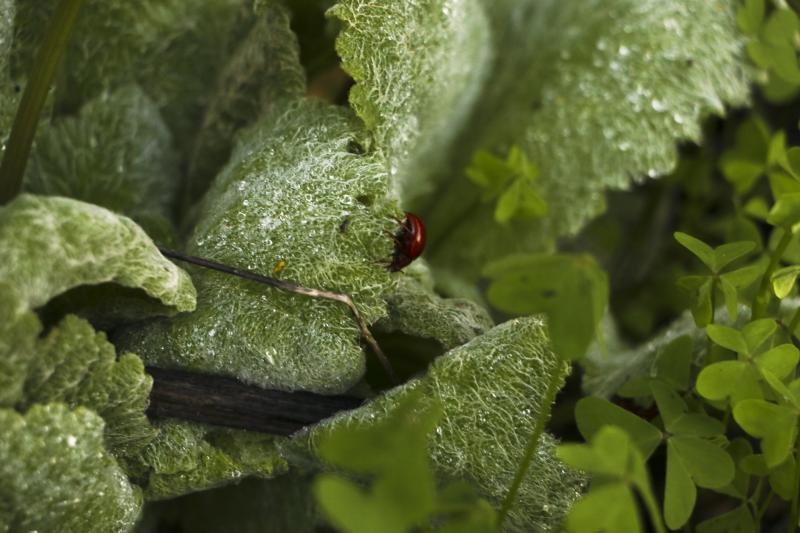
column 225, row 401
column 288, row 286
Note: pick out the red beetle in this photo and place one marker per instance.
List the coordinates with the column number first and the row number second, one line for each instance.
column 409, row 242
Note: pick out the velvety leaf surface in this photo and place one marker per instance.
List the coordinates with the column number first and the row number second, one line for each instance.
column 55, row 474
column 116, row 153
column 489, row 407
column 291, row 192
column 415, row 309
column 637, row 76
column 77, row 366
column 173, row 49
column 187, row 457
column 262, row 73
column 51, row 244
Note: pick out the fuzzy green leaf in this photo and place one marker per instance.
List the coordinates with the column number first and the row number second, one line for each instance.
column 479, row 440
column 78, row 366
column 53, row 244
column 294, row 192
column 55, row 474
column 116, row 153
column 418, row 84
column 186, row 457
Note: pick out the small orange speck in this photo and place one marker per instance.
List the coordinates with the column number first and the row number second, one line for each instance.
column 279, row 267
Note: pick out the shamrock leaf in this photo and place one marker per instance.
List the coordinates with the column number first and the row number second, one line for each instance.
column 692, row 461
column 592, row 414
column 402, row 494
column 775, row 425
column 512, row 179
column 611, row 505
column 571, row 290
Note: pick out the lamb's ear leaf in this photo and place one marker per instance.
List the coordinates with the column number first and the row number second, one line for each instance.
column 55, row 474
column 277, row 200
column 476, row 438
column 55, row 244
column 77, row 366
column 501, row 73
column 116, row 153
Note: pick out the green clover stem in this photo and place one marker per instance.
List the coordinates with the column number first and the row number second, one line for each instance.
column 796, row 493
column 794, row 322
column 12, row 169
column 763, row 294
column 533, row 443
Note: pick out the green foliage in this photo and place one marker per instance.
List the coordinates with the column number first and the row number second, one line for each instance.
column 705, row 288
column 55, row 244
column 402, row 493
column 186, row 457
column 117, row 153
column 619, row 471
column 511, row 181
column 277, row 200
column 487, row 408
column 571, row 290
column 194, row 113
column 77, row 366
column 772, row 46
column 55, row 474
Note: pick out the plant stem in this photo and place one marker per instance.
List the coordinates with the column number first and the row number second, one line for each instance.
column 533, row 443
column 12, row 169
column 288, row 286
column 649, row 500
column 763, row 295
column 764, row 506
column 794, row 322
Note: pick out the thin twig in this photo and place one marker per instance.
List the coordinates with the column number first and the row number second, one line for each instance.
column 12, row 169
column 288, row 286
